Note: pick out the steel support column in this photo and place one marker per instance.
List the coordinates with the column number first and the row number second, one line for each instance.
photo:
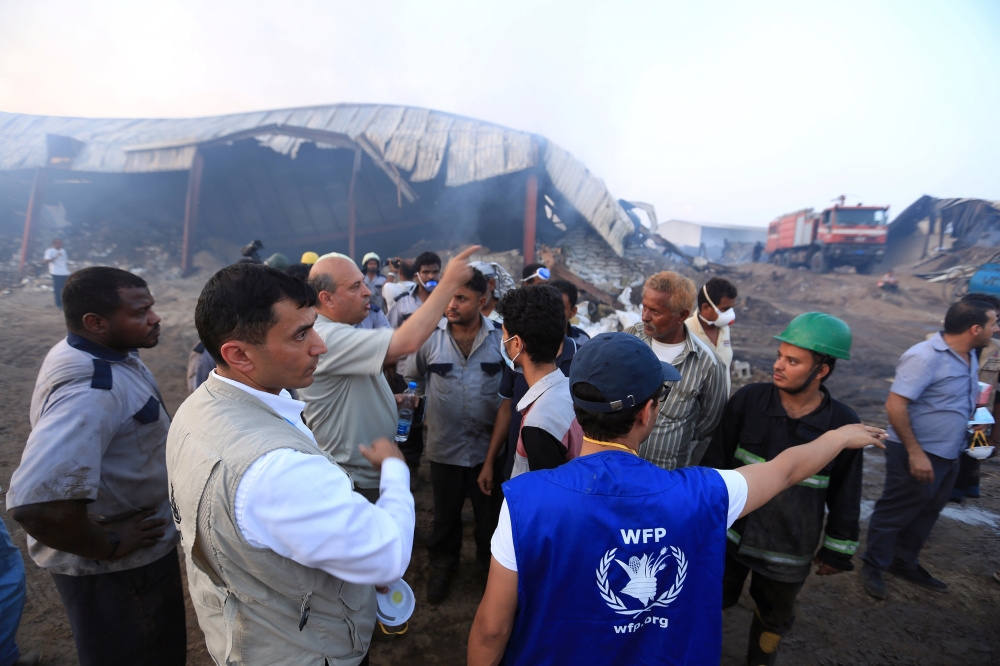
column 35, row 202
column 530, row 215
column 352, row 222
column 191, row 209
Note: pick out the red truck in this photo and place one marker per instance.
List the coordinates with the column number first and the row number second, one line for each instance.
column 839, row 236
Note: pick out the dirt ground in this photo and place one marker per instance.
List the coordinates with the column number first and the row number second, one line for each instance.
column 837, row 622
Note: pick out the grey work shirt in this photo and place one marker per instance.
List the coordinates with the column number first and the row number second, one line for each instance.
column 375, row 285
column 99, row 434
column 349, row 402
column 462, row 394
column 942, row 388
column 405, row 305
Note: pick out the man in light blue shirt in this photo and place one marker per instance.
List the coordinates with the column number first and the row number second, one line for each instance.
column 934, row 394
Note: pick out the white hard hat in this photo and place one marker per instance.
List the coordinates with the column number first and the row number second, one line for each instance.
column 369, row 257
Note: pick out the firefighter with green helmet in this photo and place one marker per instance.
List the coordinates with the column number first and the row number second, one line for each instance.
column 777, row 544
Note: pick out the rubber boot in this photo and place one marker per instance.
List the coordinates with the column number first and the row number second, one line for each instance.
column 763, row 648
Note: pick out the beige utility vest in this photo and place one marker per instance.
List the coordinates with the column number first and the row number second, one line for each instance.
column 251, row 602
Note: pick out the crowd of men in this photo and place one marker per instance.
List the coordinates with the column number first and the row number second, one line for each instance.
column 621, row 497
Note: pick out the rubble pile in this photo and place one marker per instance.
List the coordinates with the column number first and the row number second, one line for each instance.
column 587, row 255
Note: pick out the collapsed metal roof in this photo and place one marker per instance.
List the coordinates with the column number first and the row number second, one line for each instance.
column 971, row 221
column 408, row 144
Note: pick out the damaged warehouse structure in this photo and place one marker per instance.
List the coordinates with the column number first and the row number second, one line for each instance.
column 343, row 177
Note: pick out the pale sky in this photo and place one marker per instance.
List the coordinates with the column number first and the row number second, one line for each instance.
column 730, row 112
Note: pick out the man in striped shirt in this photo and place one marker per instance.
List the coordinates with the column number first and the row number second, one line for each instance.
column 692, row 412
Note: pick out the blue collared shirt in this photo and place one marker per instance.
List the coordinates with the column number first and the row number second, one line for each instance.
column 941, row 387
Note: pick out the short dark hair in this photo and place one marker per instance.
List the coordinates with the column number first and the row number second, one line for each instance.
column 237, row 303
column 605, row 426
column 820, row 359
column 298, row 270
column 989, row 299
column 406, row 271
column 425, row 259
column 717, row 288
column 567, row 288
column 964, row 315
column 478, row 282
column 95, row 290
column 530, row 270
column 537, row 314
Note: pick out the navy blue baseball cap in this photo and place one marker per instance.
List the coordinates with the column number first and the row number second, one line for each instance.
column 623, row 368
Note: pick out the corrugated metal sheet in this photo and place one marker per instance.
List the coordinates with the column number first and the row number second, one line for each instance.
column 431, row 147
column 414, row 140
column 589, row 196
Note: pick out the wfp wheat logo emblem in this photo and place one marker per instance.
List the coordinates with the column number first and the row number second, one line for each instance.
column 640, row 576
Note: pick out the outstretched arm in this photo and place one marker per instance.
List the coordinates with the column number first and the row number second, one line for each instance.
column 791, row 466
column 414, row 332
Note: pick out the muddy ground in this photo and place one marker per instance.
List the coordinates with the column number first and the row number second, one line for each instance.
column 837, row 622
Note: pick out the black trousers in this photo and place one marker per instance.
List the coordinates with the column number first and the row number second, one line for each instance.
column 775, row 600
column 905, row 514
column 451, row 484
column 131, row 617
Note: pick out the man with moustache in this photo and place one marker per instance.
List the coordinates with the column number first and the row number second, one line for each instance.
column 458, row 372
column 350, row 402
column 693, row 409
column 91, row 490
column 932, row 398
column 778, row 541
column 282, row 556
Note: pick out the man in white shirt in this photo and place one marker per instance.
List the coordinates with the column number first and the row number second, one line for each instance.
column 282, row 556
column 714, row 315
column 548, row 563
column 350, row 402
column 58, row 263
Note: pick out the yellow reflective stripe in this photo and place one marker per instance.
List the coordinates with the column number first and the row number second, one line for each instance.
column 776, row 558
column 816, row 482
column 747, row 457
column 845, row 547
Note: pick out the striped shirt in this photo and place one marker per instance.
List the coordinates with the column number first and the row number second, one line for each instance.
column 693, row 410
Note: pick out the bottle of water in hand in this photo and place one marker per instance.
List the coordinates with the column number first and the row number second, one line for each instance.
column 406, row 407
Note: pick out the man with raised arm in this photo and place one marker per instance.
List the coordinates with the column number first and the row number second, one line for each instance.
column 349, row 401
column 639, row 581
column 282, row 556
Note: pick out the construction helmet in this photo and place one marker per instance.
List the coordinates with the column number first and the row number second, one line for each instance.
column 277, row 260
column 819, row 332
column 309, row 258
column 369, row 257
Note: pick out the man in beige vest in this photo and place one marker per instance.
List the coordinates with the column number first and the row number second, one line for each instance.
column 282, row 556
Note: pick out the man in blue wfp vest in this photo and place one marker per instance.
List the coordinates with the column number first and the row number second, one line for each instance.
column 609, row 558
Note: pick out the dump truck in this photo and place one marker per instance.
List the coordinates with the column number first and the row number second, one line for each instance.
column 838, row 236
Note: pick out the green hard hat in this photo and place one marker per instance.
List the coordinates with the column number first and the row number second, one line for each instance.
column 278, row 261
column 819, row 332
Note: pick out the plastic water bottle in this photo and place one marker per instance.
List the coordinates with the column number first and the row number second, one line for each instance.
column 406, row 408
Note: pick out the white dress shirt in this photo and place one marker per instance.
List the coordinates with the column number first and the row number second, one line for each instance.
column 304, row 508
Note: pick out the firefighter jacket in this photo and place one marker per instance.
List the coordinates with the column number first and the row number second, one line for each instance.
column 779, row 540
